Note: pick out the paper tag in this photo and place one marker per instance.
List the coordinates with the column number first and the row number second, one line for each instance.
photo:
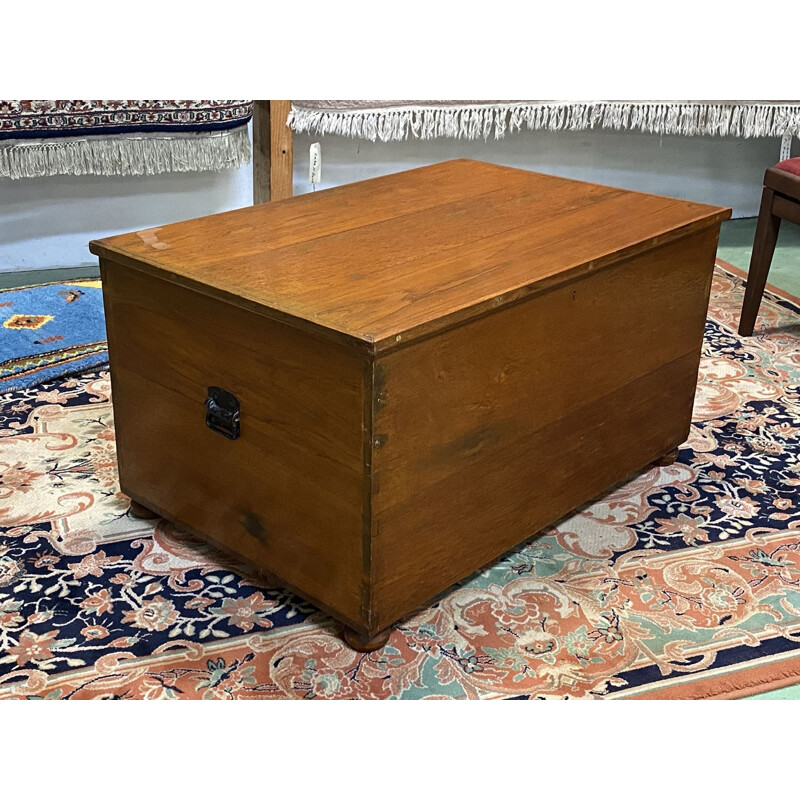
column 315, row 164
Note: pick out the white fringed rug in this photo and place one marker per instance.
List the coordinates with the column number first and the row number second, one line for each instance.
column 121, row 137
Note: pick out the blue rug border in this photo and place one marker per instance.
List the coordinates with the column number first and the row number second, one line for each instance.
column 54, row 373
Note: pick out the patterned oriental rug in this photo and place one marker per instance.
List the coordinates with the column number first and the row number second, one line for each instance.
column 50, row 331
column 121, row 137
column 683, row 582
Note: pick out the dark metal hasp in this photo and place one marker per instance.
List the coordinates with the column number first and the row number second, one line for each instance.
column 222, row 412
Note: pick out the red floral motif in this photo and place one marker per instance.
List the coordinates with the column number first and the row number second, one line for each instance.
column 45, row 561
column 17, row 477
column 247, row 612
column 690, row 528
column 54, row 396
column 103, row 456
column 200, row 602
column 751, row 485
column 153, row 615
column 33, row 647
column 40, row 616
column 124, row 580
column 93, row 564
column 98, row 602
column 9, row 569
column 94, row 632
column 740, row 508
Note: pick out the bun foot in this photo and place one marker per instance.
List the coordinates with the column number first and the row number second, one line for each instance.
column 139, row 511
column 366, row 644
column 667, row 459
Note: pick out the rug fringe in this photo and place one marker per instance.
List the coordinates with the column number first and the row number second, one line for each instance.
column 745, row 683
column 480, row 121
column 139, row 154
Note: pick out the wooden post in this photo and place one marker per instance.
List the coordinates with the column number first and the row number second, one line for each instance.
column 281, row 150
column 261, row 152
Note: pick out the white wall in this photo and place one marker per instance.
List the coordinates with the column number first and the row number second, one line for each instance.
column 47, row 222
column 722, row 171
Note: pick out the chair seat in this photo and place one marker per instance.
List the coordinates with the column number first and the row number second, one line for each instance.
column 790, row 165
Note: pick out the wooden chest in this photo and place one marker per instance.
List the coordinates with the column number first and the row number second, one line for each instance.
column 372, row 391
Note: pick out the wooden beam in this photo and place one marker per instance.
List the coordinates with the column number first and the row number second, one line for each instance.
column 281, row 150
column 786, row 209
column 261, row 152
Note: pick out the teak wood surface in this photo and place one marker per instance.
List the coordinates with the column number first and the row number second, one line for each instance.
column 408, row 254
column 504, row 425
column 431, row 367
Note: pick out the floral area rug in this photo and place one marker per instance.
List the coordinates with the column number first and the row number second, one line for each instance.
column 50, row 331
column 682, row 582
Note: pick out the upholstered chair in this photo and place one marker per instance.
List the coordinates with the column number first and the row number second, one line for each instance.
column 779, row 200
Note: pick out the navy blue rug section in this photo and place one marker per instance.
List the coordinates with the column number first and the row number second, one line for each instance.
column 40, row 119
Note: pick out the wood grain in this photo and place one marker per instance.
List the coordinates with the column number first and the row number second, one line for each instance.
column 431, row 367
column 488, row 432
column 288, row 494
column 261, row 151
column 281, row 150
column 410, row 255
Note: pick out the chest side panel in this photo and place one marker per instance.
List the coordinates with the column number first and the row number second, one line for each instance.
column 490, row 431
column 288, row 493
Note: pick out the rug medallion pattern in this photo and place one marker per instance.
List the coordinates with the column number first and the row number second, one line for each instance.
column 681, row 573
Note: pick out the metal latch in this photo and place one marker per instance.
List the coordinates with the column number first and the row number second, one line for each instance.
column 222, row 412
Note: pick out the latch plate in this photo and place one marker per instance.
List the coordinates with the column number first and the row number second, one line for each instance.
column 222, row 412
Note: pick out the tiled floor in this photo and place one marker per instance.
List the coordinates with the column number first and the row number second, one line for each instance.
column 735, row 247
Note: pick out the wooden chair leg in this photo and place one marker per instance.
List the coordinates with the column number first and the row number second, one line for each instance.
column 763, row 249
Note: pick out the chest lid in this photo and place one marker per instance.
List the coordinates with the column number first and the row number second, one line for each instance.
column 390, row 259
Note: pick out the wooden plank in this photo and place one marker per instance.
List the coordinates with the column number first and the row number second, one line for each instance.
column 489, row 236
column 288, row 494
column 783, row 182
column 250, row 231
column 261, row 151
column 488, row 432
column 281, row 150
column 786, row 209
